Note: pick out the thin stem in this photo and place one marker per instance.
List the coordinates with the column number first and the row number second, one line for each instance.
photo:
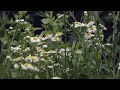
column 65, row 40
column 115, row 18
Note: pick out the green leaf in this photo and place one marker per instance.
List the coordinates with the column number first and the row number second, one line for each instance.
column 14, row 43
column 109, row 38
column 62, row 44
column 78, row 44
column 10, row 21
column 105, row 67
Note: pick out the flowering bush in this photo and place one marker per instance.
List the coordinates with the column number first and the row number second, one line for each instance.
column 47, row 56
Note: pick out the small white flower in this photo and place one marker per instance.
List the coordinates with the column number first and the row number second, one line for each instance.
column 16, row 66
column 27, row 36
column 67, row 69
column 51, row 61
column 103, row 46
column 102, row 26
column 119, row 66
column 78, row 52
column 109, row 14
column 36, row 69
column 22, row 20
column 102, row 36
column 32, row 58
column 85, row 13
column 48, row 36
column 8, row 57
column 61, row 50
column 56, row 77
column 97, row 44
column 68, row 49
column 39, row 49
column 108, row 44
column 90, row 24
column 10, row 27
column 42, row 53
column 50, row 66
column 58, row 34
column 15, row 49
column 25, row 22
column 92, row 29
column 44, row 38
column 54, row 39
column 27, row 49
column 40, row 43
column 79, row 24
column 34, row 39
column 27, row 66
column 27, row 29
column 17, row 20
column 89, row 35
column 45, row 46
column 57, row 64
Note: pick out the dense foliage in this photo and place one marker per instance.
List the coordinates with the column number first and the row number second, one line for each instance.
column 57, row 48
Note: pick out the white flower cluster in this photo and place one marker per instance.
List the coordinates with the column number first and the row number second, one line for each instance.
column 17, row 59
column 22, row 21
column 48, row 36
column 32, row 58
column 27, row 66
column 34, row 39
column 102, row 26
column 79, row 24
column 91, row 28
column 16, row 49
column 63, row 50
